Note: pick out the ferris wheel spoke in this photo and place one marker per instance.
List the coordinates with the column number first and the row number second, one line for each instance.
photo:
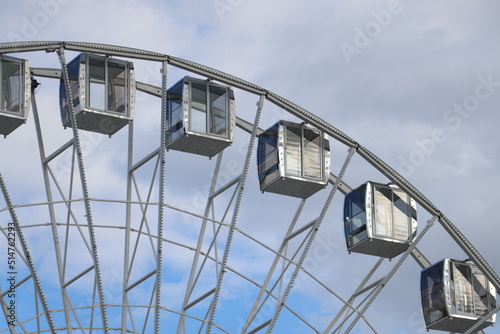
column 314, row 231
column 241, row 186
column 184, row 263
column 83, row 179
column 27, row 256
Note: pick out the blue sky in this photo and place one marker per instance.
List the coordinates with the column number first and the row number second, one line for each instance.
column 417, row 83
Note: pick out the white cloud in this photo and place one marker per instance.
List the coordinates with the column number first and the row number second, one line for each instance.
column 389, row 97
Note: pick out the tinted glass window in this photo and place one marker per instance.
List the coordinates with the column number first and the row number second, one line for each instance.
column 293, row 151
column 462, row 290
column 312, row 154
column 74, row 75
column 392, row 211
column 355, row 216
column 198, row 107
column 116, row 87
column 401, row 214
column 10, row 85
column 482, row 296
column 433, row 295
column 218, row 108
column 97, row 84
column 175, row 112
column 383, row 212
column 267, row 155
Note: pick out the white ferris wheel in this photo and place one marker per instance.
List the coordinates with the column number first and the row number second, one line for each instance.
column 206, row 204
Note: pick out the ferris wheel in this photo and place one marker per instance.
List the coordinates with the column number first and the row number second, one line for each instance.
column 206, row 204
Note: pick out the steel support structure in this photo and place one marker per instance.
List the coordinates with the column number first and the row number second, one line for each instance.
column 151, row 229
column 144, row 203
column 47, row 177
column 240, row 188
column 83, row 179
column 195, row 271
column 386, row 279
column 264, row 290
column 39, row 293
column 310, row 239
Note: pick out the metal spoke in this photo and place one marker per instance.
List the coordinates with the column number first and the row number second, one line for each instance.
column 83, row 179
column 150, row 280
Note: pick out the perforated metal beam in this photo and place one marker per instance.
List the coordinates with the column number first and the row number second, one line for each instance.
column 48, row 192
column 241, row 187
column 314, row 231
column 27, row 255
column 83, row 179
column 293, row 109
column 387, row 278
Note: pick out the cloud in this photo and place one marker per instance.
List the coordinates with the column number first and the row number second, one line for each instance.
column 390, row 97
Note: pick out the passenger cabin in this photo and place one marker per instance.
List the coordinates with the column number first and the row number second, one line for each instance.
column 293, row 159
column 15, row 92
column 102, row 91
column 200, row 117
column 379, row 220
column 455, row 295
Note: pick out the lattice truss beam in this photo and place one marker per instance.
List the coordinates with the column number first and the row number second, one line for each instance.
column 176, row 267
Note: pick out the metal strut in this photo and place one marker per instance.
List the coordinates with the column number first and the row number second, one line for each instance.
column 482, row 321
column 198, row 252
column 161, row 205
column 31, row 264
column 258, row 304
column 241, row 186
column 314, row 231
column 386, row 279
column 293, row 109
column 48, row 192
column 88, row 211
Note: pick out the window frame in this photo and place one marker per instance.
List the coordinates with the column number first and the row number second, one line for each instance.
column 175, row 95
column 109, row 86
column 209, row 108
column 431, row 294
column 302, row 152
column 393, row 228
column 361, row 230
column 20, row 74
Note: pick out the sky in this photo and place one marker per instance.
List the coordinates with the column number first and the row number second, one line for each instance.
column 417, row 83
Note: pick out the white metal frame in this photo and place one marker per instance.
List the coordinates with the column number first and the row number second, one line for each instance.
column 274, row 289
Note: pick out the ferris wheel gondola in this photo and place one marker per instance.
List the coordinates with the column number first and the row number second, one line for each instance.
column 455, row 295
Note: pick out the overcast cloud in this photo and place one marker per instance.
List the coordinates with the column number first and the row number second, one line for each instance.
column 417, row 83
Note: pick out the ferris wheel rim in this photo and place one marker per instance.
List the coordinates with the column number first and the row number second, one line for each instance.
column 306, row 116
